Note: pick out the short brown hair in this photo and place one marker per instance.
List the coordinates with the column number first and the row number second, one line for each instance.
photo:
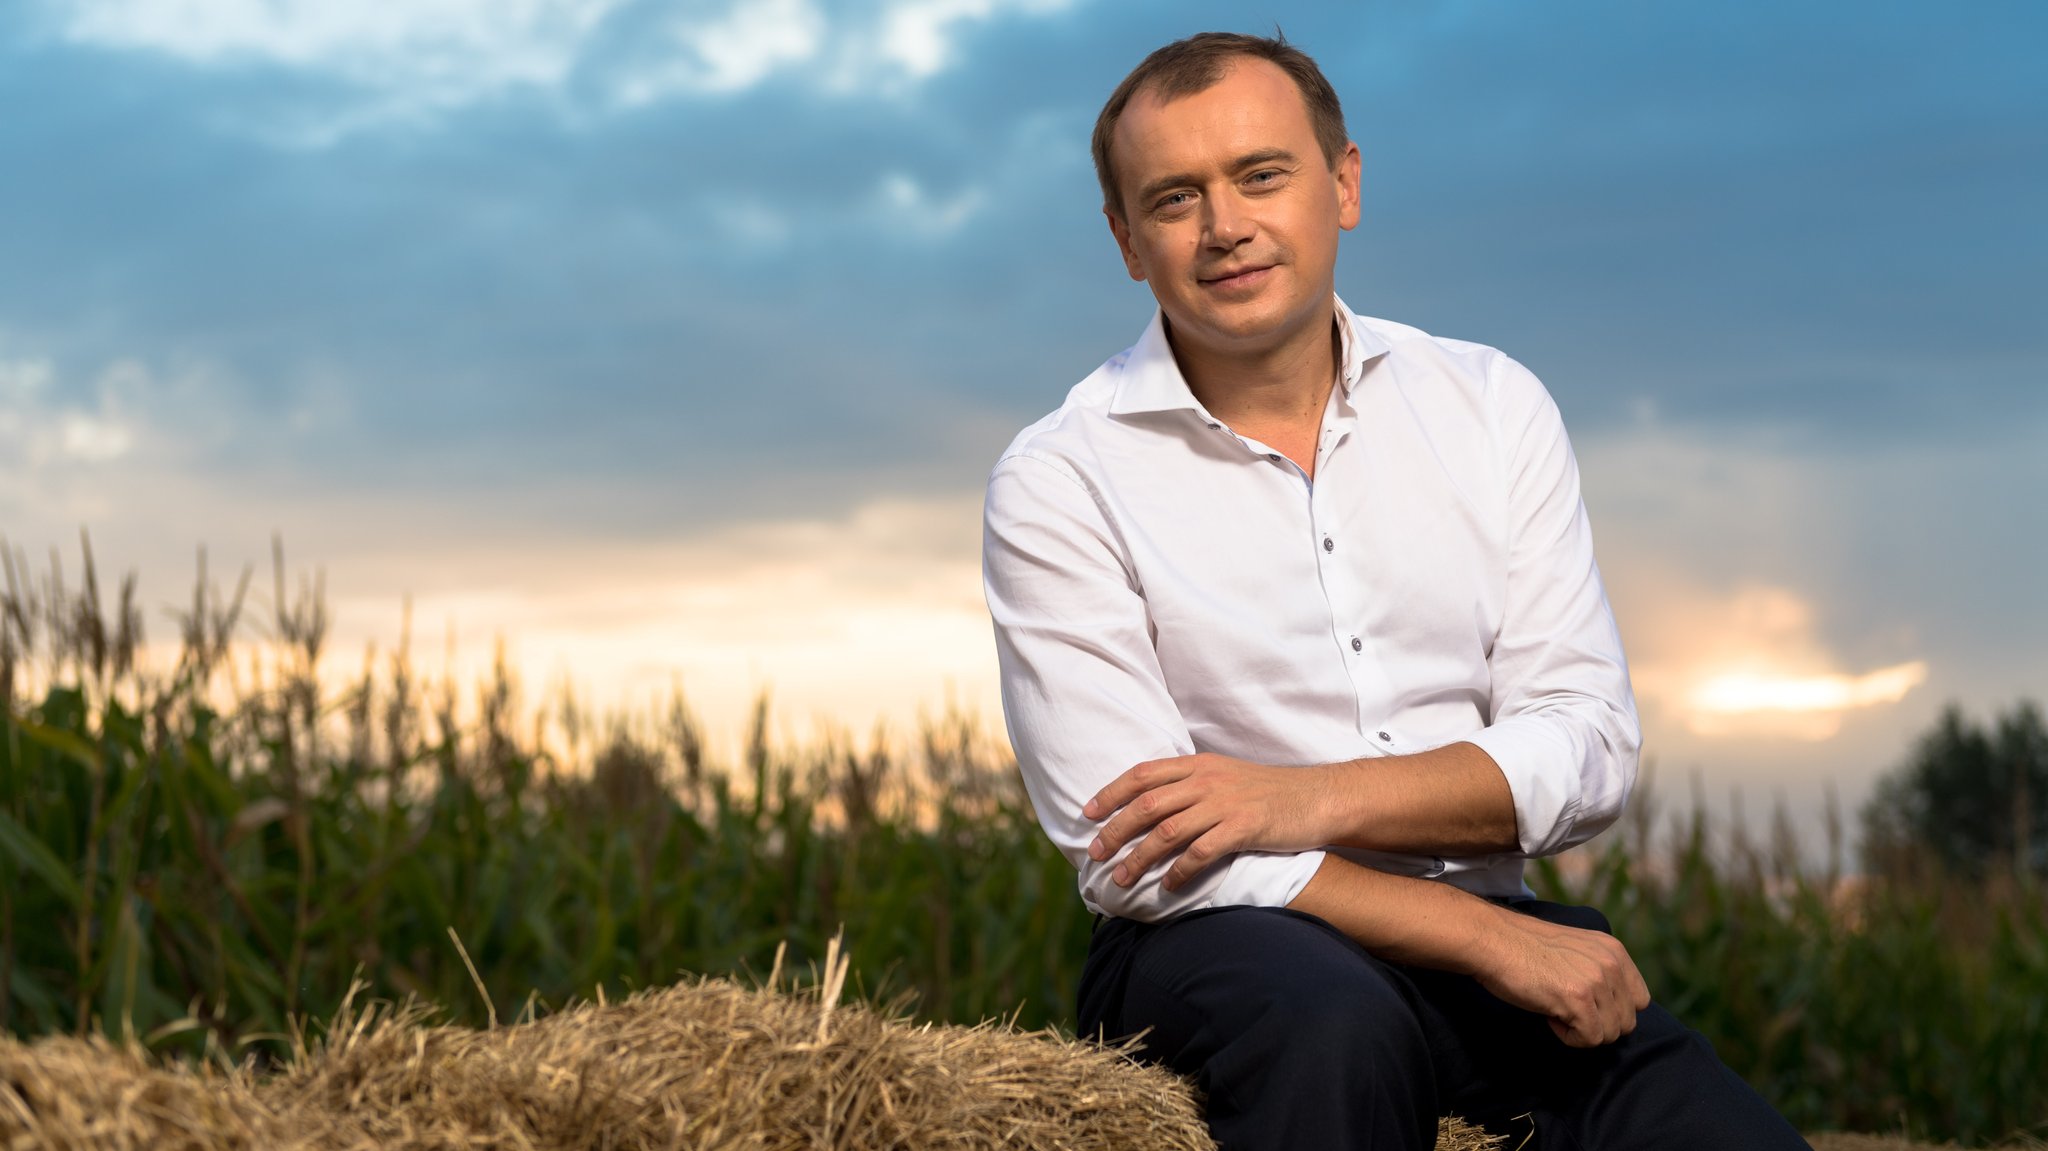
column 1188, row 66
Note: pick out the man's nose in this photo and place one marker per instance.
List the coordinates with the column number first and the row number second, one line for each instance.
column 1227, row 222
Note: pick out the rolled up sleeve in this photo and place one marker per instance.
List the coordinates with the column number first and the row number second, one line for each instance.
column 1563, row 725
column 1084, row 697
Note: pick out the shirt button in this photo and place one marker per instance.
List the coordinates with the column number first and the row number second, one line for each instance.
column 1385, row 738
column 1215, row 427
column 1329, row 545
column 1274, row 456
column 1357, row 644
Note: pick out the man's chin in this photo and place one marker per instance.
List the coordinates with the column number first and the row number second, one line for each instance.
column 1238, row 330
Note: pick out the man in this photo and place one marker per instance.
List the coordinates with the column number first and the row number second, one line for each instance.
column 1304, row 651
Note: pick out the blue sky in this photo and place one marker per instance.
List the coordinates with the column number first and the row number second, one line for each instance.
column 675, row 339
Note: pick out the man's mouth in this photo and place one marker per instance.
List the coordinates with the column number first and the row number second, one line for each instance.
column 1237, row 277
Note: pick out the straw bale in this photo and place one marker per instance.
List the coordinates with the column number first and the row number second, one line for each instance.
column 63, row 1094
column 714, row 1065
column 703, row 1065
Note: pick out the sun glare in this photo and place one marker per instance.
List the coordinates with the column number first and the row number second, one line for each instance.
column 1751, row 692
column 1749, row 663
column 1792, row 706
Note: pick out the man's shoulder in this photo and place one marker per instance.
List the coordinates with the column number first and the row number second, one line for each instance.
column 1408, row 343
column 1059, row 435
column 1428, row 364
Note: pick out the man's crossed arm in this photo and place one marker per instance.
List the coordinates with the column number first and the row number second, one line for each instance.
column 1449, row 801
column 1200, row 809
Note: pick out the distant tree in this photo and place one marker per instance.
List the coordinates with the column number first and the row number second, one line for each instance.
column 1973, row 797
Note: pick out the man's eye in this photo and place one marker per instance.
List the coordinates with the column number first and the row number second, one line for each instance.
column 1174, row 200
column 1264, row 177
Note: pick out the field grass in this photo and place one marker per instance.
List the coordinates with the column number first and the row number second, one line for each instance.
column 198, row 855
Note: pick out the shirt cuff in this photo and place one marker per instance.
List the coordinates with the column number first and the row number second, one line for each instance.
column 1265, row 879
column 1542, row 770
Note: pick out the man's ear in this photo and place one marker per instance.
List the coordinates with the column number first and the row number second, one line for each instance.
column 1348, row 173
column 1121, row 229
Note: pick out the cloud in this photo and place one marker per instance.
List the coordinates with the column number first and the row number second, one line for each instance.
column 917, row 34
column 433, row 52
column 1723, row 559
column 732, row 52
column 904, row 198
column 1740, row 694
column 1855, row 588
column 153, row 455
column 40, row 430
column 1747, row 662
column 1837, row 558
column 417, row 60
column 1751, row 663
column 872, row 614
column 93, row 437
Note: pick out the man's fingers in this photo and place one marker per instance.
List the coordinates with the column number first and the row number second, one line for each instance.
column 1130, row 822
column 1210, row 847
column 1595, row 1027
column 1130, row 784
column 1173, row 833
column 1159, row 801
column 1575, row 1033
column 1617, row 999
column 1139, row 823
column 1118, row 793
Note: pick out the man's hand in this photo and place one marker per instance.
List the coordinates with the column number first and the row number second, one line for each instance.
column 1206, row 807
column 1582, row 981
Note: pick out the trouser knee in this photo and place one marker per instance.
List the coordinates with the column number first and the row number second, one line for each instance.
column 1298, row 1036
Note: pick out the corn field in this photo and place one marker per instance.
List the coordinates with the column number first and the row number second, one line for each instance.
column 200, row 855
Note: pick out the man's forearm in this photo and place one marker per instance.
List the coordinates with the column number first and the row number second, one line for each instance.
column 1198, row 809
column 1583, row 982
column 1452, row 800
column 1419, row 922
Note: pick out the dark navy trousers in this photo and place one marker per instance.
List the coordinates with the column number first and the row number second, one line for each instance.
column 1302, row 1041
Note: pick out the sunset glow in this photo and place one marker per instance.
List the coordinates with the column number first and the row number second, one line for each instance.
column 1751, row 662
column 1751, row 692
column 1801, row 706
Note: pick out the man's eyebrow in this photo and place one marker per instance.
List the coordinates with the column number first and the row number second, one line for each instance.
column 1262, row 157
column 1156, row 188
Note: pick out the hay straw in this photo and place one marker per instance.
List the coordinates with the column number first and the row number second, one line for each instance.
column 703, row 1065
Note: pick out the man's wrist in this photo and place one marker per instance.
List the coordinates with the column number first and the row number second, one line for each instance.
column 1421, row 922
column 1343, row 809
column 1484, row 938
column 1467, row 936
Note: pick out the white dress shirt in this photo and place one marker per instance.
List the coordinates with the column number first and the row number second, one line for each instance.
column 1162, row 586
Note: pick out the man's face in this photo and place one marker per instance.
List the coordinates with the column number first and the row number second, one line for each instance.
column 1231, row 213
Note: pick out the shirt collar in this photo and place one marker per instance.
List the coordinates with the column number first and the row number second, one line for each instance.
column 1151, row 381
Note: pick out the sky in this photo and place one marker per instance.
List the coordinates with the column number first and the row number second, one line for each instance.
column 672, row 342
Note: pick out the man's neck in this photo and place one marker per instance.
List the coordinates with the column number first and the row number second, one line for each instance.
column 1287, row 383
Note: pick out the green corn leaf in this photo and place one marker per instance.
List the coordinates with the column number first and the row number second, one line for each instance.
column 35, row 856
column 67, row 743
